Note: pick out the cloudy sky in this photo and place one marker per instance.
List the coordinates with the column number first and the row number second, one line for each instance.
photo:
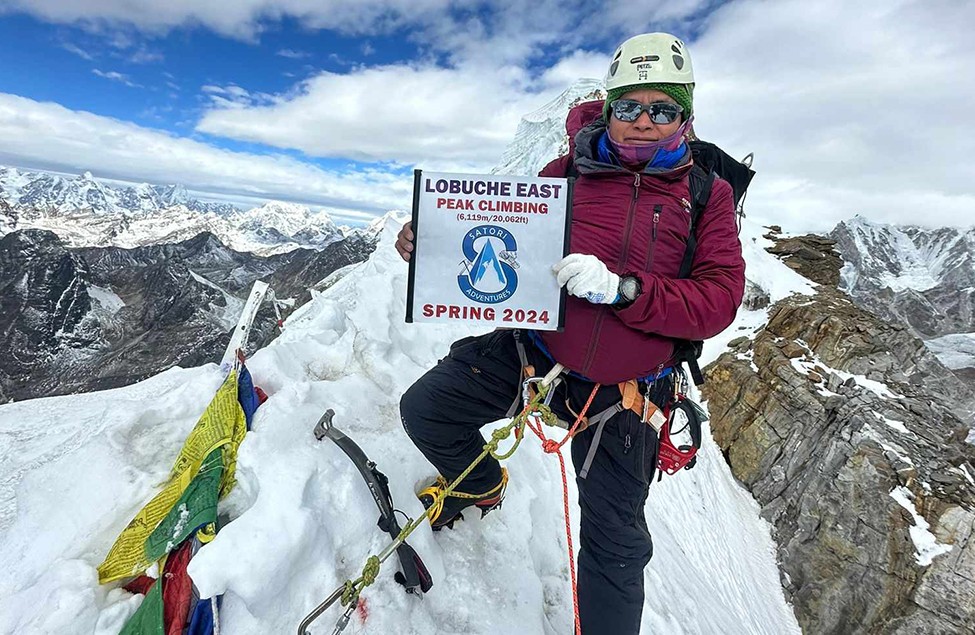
column 849, row 107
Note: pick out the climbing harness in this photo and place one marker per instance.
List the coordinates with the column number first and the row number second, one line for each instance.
column 631, row 398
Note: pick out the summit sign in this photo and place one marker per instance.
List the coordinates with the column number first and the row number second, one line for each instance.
column 484, row 249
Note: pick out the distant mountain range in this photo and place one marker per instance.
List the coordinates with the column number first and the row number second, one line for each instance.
column 923, row 277
column 82, row 319
column 85, row 212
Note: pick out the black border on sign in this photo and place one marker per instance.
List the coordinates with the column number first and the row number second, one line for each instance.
column 571, row 181
column 414, row 223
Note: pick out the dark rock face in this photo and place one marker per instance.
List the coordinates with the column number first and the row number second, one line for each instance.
column 44, row 304
column 845, row 429
column 8, row 215
column 76, row 320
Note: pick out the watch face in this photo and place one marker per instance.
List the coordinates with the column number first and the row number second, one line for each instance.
column 628, row 288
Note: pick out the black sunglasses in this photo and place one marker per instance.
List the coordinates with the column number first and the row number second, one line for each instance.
column 661, row 112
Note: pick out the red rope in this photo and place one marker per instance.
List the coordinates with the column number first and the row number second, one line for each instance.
column 551, row 447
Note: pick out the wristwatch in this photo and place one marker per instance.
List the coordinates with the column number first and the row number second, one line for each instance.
column 629, row 291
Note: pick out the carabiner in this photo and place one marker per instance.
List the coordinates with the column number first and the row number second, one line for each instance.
column 526, row 392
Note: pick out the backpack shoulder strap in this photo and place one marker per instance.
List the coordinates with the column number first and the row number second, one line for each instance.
column 571, row 171
column 700, row 186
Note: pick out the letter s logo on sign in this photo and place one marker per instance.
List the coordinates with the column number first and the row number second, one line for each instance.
column 488, row 275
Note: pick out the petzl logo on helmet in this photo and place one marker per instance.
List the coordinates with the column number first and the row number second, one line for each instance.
column 487, row 277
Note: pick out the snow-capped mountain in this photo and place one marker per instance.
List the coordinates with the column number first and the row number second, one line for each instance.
column 541, row 134
column 55, row 194
column 85, row 212
column 922, row 277
column 285, row 225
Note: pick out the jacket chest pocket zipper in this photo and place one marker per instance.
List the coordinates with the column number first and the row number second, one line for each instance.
column 657, row 209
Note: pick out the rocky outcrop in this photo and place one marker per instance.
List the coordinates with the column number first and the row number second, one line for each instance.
column 76, row 320
column 845, row 429
column 812, row 256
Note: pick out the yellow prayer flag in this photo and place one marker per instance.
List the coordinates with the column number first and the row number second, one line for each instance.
column 222, row 423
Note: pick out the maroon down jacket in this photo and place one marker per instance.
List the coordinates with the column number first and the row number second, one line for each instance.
column 638, row 224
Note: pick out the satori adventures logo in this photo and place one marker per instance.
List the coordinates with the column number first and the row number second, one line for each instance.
column 488, row 275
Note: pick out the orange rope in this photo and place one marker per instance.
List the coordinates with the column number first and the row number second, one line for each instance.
column 551, row 447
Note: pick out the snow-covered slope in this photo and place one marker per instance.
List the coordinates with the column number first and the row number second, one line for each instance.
column 73, row 470
column 955, row 351
column 541, row 135
column 922, row 277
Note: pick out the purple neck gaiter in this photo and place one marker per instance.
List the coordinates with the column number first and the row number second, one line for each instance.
column 643, row 153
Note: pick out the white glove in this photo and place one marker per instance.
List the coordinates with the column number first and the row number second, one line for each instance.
column 586, row 277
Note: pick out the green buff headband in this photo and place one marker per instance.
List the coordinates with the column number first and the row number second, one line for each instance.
column 678, row 92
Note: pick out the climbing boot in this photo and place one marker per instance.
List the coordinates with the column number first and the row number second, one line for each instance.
column 448, row 510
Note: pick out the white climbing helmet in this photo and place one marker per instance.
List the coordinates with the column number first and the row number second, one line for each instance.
column 650, row 58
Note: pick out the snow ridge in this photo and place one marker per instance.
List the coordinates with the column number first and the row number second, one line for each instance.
column 541, row 134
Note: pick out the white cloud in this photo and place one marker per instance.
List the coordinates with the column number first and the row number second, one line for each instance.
column 77, row 50
column 849, row 109
column 293, row 55
column 495, row 30
column 233, row 96
column 240, row 18
column 144, row 56
column 49, row 136
column 116, row 77
column 412, row 114
column 642, row 16
column 404, row 113
column 576, row 65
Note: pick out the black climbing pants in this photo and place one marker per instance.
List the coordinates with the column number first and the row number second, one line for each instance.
column 477, row 383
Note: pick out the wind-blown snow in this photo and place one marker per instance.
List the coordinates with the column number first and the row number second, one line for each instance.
column 74, row 469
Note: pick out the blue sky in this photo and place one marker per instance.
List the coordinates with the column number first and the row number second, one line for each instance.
column 333, row 102
column 163, row 75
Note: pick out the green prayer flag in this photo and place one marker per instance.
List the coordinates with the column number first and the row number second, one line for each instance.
column 196, row 506
column 148, row 618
